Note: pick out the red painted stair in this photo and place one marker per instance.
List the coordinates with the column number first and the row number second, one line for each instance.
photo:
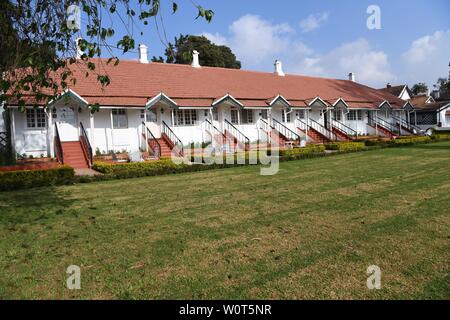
column 341, row 135
column 73, row 155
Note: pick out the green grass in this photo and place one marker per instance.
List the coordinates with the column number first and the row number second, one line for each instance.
column 310, row 231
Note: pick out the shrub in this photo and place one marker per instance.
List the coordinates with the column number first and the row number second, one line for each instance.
column 11, row 180
column 440, row 136
column 346, row 146
column 410, row 141
column 302, row 153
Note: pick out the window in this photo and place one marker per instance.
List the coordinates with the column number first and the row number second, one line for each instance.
column 301, row 114
column 234, row 116
column 264, row 114
column 247, row 116
column 354, row 115
column 215, row 115
column 151, row 115
column 36, row 118
column 287, row 118
column 185, row 117
column 337, row 115
column 120, row 119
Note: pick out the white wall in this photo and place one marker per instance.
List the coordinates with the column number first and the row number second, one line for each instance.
column 29, row 142
column 2, row 122
column 105, row 138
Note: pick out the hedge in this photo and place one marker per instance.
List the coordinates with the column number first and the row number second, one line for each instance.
column 160, row 167
column 12, row 180
column 346, row 146
column 410, row 141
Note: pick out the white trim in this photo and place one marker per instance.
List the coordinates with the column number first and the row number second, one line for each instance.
column 320, row 100
column 408, row 103
column 279, row 97
column 158, row 98
column 384, row 102
column 225, row 97
column 70, row 92
column 340, row 100
column 403, row 90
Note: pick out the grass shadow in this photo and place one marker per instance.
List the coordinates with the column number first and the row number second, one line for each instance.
column 32, row 205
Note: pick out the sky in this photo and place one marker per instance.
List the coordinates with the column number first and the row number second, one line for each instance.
column 328, row 38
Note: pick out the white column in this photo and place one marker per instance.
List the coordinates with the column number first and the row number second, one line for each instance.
column 112, row 130
column 145, row 130
column 307, row 123
column 376, row 122
column 50, row 133
column 172, row 117
column 239, row 116
column 13, row 132
column 91, row 131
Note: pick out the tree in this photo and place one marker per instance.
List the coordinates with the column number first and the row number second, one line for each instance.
column 418, row 88
column 443, row 85
column 210, row 54
column 32, row 31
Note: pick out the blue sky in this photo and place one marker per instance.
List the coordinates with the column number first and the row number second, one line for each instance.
column 324, row 37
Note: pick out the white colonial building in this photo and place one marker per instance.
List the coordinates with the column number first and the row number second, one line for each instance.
column 153, row 107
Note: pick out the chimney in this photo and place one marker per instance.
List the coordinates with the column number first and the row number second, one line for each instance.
column 388, row 85
column 77, row 45
column 195, row 61
column 143, row 53
column 279, row 68
column 352, row 77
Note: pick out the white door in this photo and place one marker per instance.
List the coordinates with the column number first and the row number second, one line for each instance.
column 67, row 124
column 152, row 122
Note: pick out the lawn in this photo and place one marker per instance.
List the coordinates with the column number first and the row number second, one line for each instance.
column 309, row 232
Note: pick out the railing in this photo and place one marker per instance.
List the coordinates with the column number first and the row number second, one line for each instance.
column 285, row 131
column 383, row 124
column 58, row 146
column 301, row 125
column 86, row 145
column 214, row 131
column 409, row 126
column 322, row 130
column 173, row 138
column 343, row 128
column 264, row 125
column 151, row 141
column 242, row 138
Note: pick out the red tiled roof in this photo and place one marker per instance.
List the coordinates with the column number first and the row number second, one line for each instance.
column 134, row 83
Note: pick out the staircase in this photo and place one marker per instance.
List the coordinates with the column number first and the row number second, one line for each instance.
column 382, row 126
column 342, row 136
column 74, row 155
column 315, row 131
column 283, row 134
column 238, row 138
column 165, row 145
column 342, row 131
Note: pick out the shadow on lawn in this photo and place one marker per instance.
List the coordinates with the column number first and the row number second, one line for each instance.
column 33, row 205
column 431, row 146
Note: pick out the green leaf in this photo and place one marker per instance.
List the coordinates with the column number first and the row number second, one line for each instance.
column 174, row 7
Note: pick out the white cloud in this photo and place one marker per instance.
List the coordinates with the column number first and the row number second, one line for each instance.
column 254, row 40
column 371, row 66
column 258, row 42
column 313, row 21
column 427, row 58
column 215, row 38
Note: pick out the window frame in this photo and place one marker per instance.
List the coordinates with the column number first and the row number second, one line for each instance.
column 119, row 113
column 185, row 117
column 245, row 113
column 354, row 115
column 288, row 117
column 234, row 113
column 37, row 115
